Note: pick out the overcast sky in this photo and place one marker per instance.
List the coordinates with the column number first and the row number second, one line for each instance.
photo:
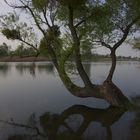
column 124, row 50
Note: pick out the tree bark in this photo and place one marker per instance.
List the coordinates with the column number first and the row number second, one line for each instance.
column 107, row 91
column 113, row 66
column 76, row 43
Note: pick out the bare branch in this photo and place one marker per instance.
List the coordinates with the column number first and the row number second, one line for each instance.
column 25, row 6
column 45, row 17
column 103, row 44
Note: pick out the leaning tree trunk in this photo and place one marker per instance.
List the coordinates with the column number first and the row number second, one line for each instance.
column 113, row 95
column 107, row 91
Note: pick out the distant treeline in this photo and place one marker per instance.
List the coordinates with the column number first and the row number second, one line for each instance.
column 22, row 51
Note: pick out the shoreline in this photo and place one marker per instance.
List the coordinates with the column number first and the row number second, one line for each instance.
column 45, row 59
column 24, row 59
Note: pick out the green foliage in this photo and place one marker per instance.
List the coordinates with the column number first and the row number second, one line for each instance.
column 53, row 32
column 72, row 3
column 86, row 47
column 108, row 19
column 80, row 10
column 11, row 34
column 40, row 4
column 4, row 49
column 53, row 40
column 136, row 43
column 19, row 50
column 23, row 51
column 134, row 6
column 14, row 29
column 43, row 47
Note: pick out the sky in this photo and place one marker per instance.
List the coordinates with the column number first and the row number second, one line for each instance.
column 124, row 50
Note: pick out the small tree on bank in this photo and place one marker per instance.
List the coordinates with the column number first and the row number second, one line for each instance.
column 106, row 23
column 4, row 50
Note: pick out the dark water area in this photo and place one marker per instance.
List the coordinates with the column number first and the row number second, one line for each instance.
column 35, row 105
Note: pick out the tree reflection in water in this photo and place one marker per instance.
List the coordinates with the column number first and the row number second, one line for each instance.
column 4, row 69
column 135, row 123
column 61, row 126
column 32, row 68
column 23, row 68
column 73, row 123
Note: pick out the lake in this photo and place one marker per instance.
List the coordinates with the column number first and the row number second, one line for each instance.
column 35, row 105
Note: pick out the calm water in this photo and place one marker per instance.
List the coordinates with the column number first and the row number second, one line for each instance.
column 33, row 98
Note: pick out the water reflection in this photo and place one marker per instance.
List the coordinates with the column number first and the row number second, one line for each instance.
column 29, row 68
column 77, row 122
column 135, row 123
column 87, row 68
column 65, row 126
column 49, row 68
column 5, row 69
column 33, row 68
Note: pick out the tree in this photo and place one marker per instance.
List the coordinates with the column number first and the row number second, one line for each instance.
column 121, row 20
column 13, row 29
column 4, row 49
column 42, row 48
column 105, row 23
column 19, row 50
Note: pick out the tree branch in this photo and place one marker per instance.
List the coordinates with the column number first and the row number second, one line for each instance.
column 103, row 44
column 31, row 45
column 126, row 32
column 83, row 20
column 50, row 49
column 44, row 14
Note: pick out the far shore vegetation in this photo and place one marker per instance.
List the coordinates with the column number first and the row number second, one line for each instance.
column 27, row 54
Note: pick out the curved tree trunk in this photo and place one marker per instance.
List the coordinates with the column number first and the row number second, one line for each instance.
column 107, row 91
column 113, row 95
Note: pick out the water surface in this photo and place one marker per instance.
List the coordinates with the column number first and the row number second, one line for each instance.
column 31, row 94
